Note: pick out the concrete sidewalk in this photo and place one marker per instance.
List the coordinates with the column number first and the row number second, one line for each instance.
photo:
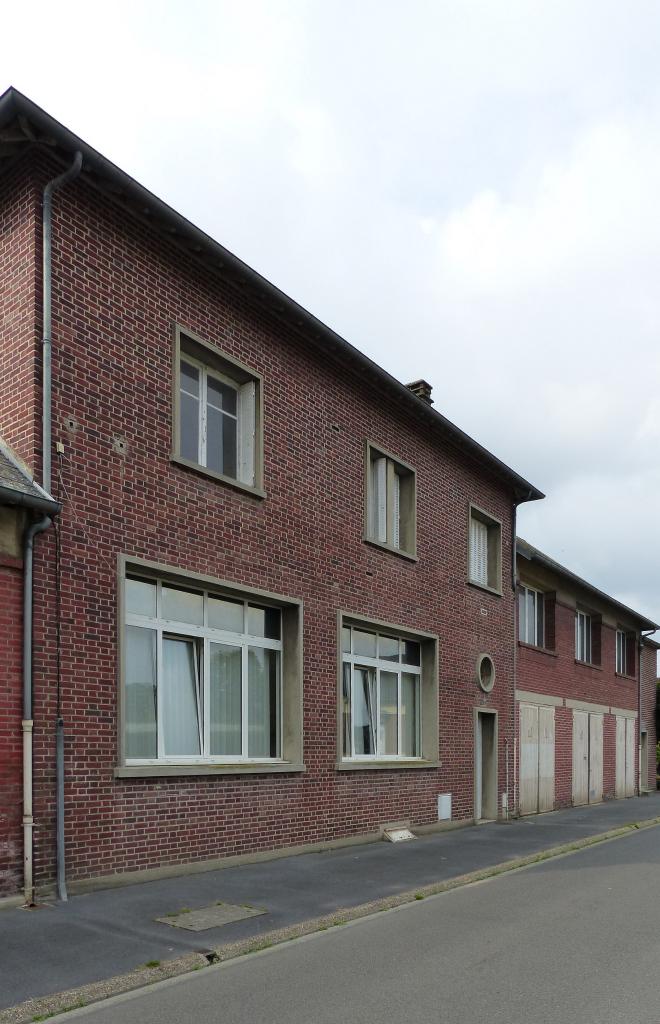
column 102, row 934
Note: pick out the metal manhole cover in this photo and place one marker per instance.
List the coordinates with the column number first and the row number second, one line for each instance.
column 209, row 917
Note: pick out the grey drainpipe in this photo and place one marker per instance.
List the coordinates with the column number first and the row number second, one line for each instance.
column 28, row 819
column 49, row 190
column 47, row 221
column 642, row 635
column 512, row 805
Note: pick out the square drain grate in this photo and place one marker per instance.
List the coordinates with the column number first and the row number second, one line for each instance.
column 214, row 916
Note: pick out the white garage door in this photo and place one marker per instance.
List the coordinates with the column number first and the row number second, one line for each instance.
column 587, row 757
column 537, row 758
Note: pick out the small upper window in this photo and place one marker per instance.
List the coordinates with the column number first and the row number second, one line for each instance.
column 217, row 420
column 484, row 550
column 390, row 502
column 582, row 636
column 530, row 616
column 625, row 653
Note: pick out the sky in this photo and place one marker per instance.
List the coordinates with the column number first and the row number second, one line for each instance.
column 466, row 190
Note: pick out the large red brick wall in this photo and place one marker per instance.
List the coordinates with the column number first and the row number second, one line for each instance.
column 118, row 290
column 649, row 669
column 556, row 673
column 11, row 742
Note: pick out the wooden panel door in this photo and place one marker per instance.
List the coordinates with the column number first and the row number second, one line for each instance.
column 620, row 766
column 631, row 755
column 546, row 759
column 595, row 758
column 580, row 757
column 529, row 759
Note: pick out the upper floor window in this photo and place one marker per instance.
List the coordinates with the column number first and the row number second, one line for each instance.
column 625, row 653
column 531, row 614
column 484, row 555
column 203, row 676
column 583, row 636
column 381, row 695
column 390, row 502
column 217, row 421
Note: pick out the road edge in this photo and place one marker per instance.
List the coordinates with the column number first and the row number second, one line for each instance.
column 46, row 1007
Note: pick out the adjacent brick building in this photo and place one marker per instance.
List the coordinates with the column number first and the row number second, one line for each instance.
column 279, row 606
column 581, row 656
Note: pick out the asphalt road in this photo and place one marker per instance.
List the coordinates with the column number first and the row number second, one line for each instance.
column 576, row 939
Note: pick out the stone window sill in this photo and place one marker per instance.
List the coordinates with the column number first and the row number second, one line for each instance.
column 145, row 771
column 538, row 650
column 356, row 766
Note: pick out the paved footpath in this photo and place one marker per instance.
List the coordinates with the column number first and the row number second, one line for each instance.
column 102, row 934
column 573, row 940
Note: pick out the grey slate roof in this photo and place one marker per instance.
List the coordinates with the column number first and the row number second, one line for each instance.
column 17, row 486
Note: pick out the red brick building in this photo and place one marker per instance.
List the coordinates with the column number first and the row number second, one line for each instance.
column 584, row 672
column 279, row 605
column 284, row 588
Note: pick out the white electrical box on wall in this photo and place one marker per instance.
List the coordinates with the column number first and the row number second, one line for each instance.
column 444, row 806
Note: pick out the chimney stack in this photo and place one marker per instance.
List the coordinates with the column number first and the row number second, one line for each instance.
column 422, row 389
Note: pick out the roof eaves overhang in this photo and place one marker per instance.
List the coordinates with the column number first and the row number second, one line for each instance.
column 41, row 129
column 532, row 554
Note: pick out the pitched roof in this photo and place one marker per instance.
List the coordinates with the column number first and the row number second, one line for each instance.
column 17, row 486
column 23, row 124
column 533, row 554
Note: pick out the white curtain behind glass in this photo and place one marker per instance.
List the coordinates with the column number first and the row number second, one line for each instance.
column 180, row 698
column 226, row 700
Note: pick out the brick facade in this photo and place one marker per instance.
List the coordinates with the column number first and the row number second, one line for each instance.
column 649, row 675
column 118, row 291
column 551, row 669
column 120, row 288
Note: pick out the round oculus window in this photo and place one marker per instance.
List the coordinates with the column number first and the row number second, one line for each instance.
column 485, row 672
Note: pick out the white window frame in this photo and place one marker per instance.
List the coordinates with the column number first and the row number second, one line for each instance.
column 523, row 621
column 205, row 635
column 388, row 516
column 484, row 550
column 211, row 363
column 357, row 661
column 583, row 637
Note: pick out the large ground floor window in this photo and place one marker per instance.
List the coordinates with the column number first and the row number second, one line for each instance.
column 381, row 695
column 202, row 675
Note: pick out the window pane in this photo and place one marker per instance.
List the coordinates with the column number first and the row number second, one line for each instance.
column 264, row 622
column 226, row 614
column 189, row 413
column 221, row 396
column 190, row 378
column 531, row 616
column 478, row 551
column 226, row 700
column 263, row 703
column 180, row 697
column 388, row 648
column 140, row 598
column 364, row 711
column 388, row 732
column 364, row 643
column 140, row 679
column 346, row 709
column 411, row 653
column 522, row 615
column 182, row 606
column 409, row 715
column 346, row 640
column 221, row 443
column 540, row 620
